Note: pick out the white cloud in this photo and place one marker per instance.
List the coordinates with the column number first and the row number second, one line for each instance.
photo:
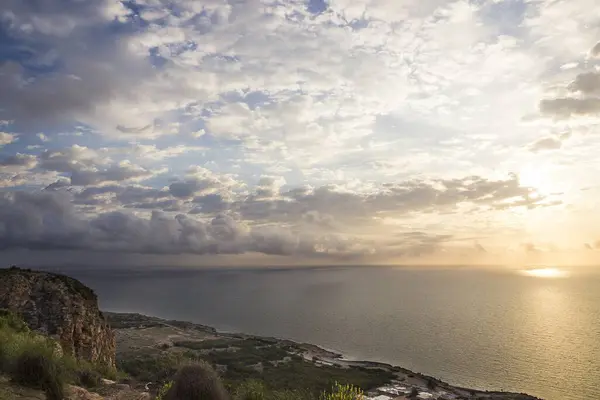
column 6, row 138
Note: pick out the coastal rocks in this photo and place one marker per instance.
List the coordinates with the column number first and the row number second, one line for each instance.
column 62, row 308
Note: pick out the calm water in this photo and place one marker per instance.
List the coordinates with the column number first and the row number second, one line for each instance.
column 472, row 328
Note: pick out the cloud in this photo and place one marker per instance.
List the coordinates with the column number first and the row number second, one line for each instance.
column 19, row 160
column 479, row 248
column 43, row 137
column 595, row 51
column 201, row 181
column 567, row 107
column 391, row 200
column 6, row 138
column 86, row 166
column 47, row 220
column 116, row 173
column 338, row 128
column 548, row 143
column 587, row 83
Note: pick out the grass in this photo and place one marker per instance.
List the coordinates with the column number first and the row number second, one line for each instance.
column 32, row 360
column 37, row 367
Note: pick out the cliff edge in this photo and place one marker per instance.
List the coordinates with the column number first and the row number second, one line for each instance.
column 62, row 308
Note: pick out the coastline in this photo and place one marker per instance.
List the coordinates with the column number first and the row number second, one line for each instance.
column 327, row 357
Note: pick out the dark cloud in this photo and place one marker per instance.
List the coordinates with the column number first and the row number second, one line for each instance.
column 19, row 160
column 86, row 167
column 587, row 83
column 48, row 220
column 479, row 248
column 114, row 173
column 79, row 52
column 209, row 204
column 390, row 199
column 300, row 221
column 59, row 184
column 200, row 184
column 595, row 52
column 548, row 143
column 567, row 107
column 71, row 159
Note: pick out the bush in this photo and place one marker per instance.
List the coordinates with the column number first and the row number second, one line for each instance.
column 89, row 378
column 197, row 382
column 164, row 389
column 251, row 390
column 11, row 321
column 343, row 392
column 37, row 367
column 152, row 367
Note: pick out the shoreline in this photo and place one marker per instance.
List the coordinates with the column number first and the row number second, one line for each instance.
column 319, row 354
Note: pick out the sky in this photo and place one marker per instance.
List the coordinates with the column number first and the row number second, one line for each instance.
column 300, row 131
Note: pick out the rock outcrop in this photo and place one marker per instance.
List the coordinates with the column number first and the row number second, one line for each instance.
column 62, row 308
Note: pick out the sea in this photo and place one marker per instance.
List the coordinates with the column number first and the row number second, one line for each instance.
column 484, row 329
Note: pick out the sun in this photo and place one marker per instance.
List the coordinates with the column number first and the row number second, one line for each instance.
column 533, row 177
column 537, row 177
column 545, row 272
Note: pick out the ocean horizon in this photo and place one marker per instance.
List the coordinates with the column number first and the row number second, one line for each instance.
column 482, row 329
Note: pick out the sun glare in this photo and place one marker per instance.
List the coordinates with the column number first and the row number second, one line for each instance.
column 545, row 272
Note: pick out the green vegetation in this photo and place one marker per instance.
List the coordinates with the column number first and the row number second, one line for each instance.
column 197, row 382
column 201, row 382
column 343, row 392
column 35, row 361
column 36, row 366
column 276, row 369
column 162, row 392
column 153, row 367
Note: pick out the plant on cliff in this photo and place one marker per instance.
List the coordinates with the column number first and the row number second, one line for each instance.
column 11, row 321
column 38, row 367
column 35, row 361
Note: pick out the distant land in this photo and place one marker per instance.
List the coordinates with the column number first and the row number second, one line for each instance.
column 277, row 361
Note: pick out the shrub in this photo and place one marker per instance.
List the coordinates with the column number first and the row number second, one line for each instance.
column 151, row 367
column 251, row 390
column 89, row 378
column 343, row 392
column 37, row 367
column 197, row 382
column 11, row 321
column 162, row 392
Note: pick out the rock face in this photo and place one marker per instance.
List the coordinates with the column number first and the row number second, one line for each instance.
column 62, row 308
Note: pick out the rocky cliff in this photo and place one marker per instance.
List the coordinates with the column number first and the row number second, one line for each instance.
column 62, row 308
